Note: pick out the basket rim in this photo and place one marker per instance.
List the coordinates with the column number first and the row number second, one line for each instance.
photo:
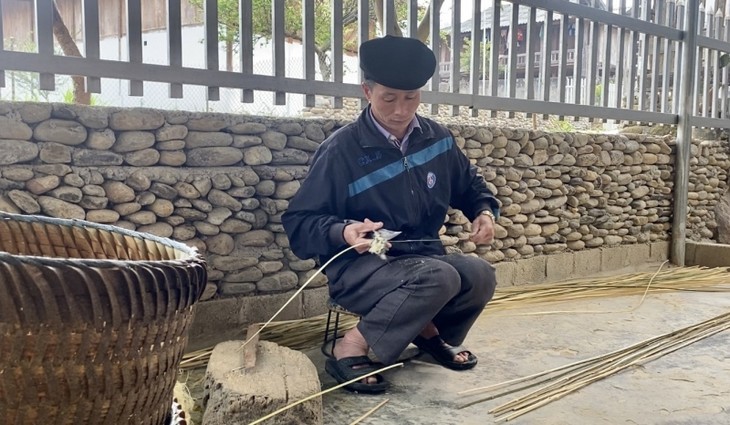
column 191, row 252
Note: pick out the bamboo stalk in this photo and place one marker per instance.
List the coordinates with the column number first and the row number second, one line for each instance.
column 370, row 412
column 579, row 374
column 321, row 393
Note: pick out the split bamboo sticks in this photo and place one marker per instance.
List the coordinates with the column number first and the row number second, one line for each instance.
column 564, row 380
column 307, row 333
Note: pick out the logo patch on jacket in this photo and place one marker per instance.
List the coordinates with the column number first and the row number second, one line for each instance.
column 367, row 159
column 431, row 180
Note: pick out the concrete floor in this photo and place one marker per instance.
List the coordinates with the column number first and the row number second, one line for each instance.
column 689, row 386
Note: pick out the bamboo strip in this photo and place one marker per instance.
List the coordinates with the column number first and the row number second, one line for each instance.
column 370, row 412
column 321, row 393
column 306, row 333
column 582, row 373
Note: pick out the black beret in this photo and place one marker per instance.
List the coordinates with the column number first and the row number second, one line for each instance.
column 397, row 62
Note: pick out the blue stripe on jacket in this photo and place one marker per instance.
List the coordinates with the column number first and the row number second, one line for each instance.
column 396, row 168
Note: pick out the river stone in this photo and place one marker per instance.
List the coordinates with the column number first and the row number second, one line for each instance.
column 289, row 157
column 187, row 190
column 301, row 143
column 214, row 157
column 234, row 225
column 90, row 202
column 53, row 169
column 255, row 238
column 163, row 190
column 101, row 139
column 283, row 281
column 247, row 128
column 90, row 157
column 287, row 190
column 172, row 159
column 15, row 151
column 221, row 244
column 200, row 139
column 118, row 192
column 68, row 194
column 102, row 216
column 206, row 229
column 274, row 139
column 24, row 201
column 142, row 217
column 171, row 145
column 130, row 141
column 207, row 122
column 222, row 199
column 314, row 132
column 162, row 207
column 143, row 158
column 171, row 132
column 32, row 113
column 6, row 205
column 221, row 182
column 60, row 131
column 40, row 185
column 184, row 232
column 232, row 263
column 218, row 215
column 257, row 155
column 136, row 119
column 96, row 118
column 160, row 229
column 60, row 209
column 246, row 141
column 54, row 153
column 14, row 129
column 18, row 174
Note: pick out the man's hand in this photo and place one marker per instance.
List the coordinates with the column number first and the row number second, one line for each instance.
column 482, row 230
column 355, row 233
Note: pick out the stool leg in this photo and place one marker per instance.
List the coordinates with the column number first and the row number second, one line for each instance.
column 326, row 335
column 337, row 328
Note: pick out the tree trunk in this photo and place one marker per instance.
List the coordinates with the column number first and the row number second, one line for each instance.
column 229, row 55
column 69, row 48
column 325, row 67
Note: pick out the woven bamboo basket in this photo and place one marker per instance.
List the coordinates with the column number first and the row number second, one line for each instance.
column 93, row 321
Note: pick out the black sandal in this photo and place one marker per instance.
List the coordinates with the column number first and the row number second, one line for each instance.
column 343, row 370
column 444, row 353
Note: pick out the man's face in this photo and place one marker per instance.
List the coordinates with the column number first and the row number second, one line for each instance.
column 394, row 109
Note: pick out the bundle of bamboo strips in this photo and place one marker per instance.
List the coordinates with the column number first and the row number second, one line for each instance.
column 564, row 380
column 675, row 279
column 307, row 333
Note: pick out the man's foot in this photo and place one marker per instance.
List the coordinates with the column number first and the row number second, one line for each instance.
column 446, row 355
column 354, row 346
column 455, row 358
column 349, row 368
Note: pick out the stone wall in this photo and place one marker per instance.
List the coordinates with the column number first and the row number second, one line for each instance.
column 221, row 182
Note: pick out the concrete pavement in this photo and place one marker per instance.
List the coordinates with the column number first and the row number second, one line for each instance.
column 689, row 386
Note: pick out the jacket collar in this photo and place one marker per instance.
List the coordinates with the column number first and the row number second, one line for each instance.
column 370, row 137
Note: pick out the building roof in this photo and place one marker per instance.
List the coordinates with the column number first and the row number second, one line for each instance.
column 505, row 16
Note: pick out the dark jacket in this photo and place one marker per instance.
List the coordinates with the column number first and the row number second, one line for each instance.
column 357, row 174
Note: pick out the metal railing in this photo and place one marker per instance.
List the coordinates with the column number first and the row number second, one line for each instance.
column 649, row 52
column 641, row 47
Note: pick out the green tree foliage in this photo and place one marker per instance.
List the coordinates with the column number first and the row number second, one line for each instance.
column 228, row 20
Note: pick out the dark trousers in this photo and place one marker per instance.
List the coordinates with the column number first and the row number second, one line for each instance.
column 399, row 297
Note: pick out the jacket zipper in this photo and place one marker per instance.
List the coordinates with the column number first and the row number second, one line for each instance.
column 413, row 195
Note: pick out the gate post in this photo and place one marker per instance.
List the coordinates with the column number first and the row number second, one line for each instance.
column 684, row 133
